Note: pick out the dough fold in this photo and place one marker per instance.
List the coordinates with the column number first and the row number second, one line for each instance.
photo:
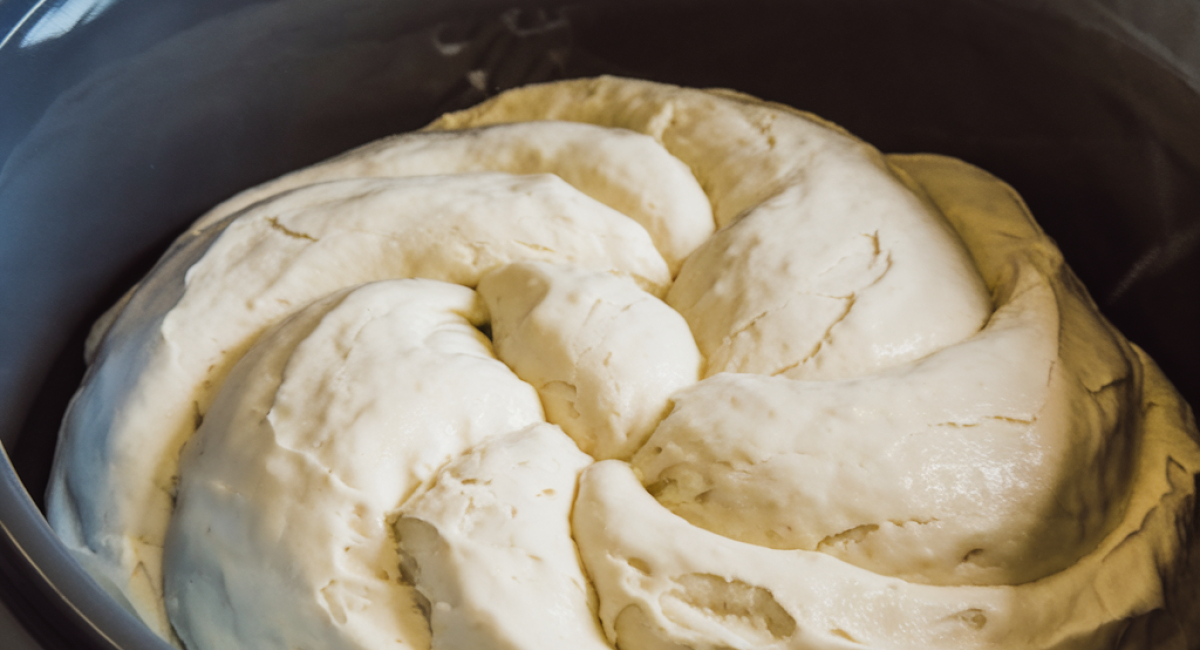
column 489, row 548
column 826, row 264
column 281, row 537
column 605, row 356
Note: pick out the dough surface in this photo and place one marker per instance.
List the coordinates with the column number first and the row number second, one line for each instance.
column 279, row 537
column 605, row 356
column 610, row 363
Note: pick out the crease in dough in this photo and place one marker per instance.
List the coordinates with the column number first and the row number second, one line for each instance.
column 489, row 547
column 605, row 356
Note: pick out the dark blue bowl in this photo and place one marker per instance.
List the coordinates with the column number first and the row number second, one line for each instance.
column 123, row 120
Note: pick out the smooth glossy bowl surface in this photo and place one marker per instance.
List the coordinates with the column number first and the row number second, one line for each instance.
column 123, row 120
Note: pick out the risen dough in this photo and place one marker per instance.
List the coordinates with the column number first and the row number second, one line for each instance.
column 279, row 539
column 219, row 288
column 490, row 549
column 872, row 409
column 660, row 579
column 959, row 468
column 627, row 171
column 827, row 265
column 605, row 356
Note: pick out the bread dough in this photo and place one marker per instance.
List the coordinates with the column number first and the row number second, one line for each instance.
column 219, row 288
column 279, row 538
column 666, row 584
column 626, row 171
column 882, row 414
column 489, row 547
column 605, row 356
column 934, row 471
column 826, row 265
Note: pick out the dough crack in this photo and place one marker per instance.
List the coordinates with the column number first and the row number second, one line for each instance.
column 747, row 610
column 294, row 234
